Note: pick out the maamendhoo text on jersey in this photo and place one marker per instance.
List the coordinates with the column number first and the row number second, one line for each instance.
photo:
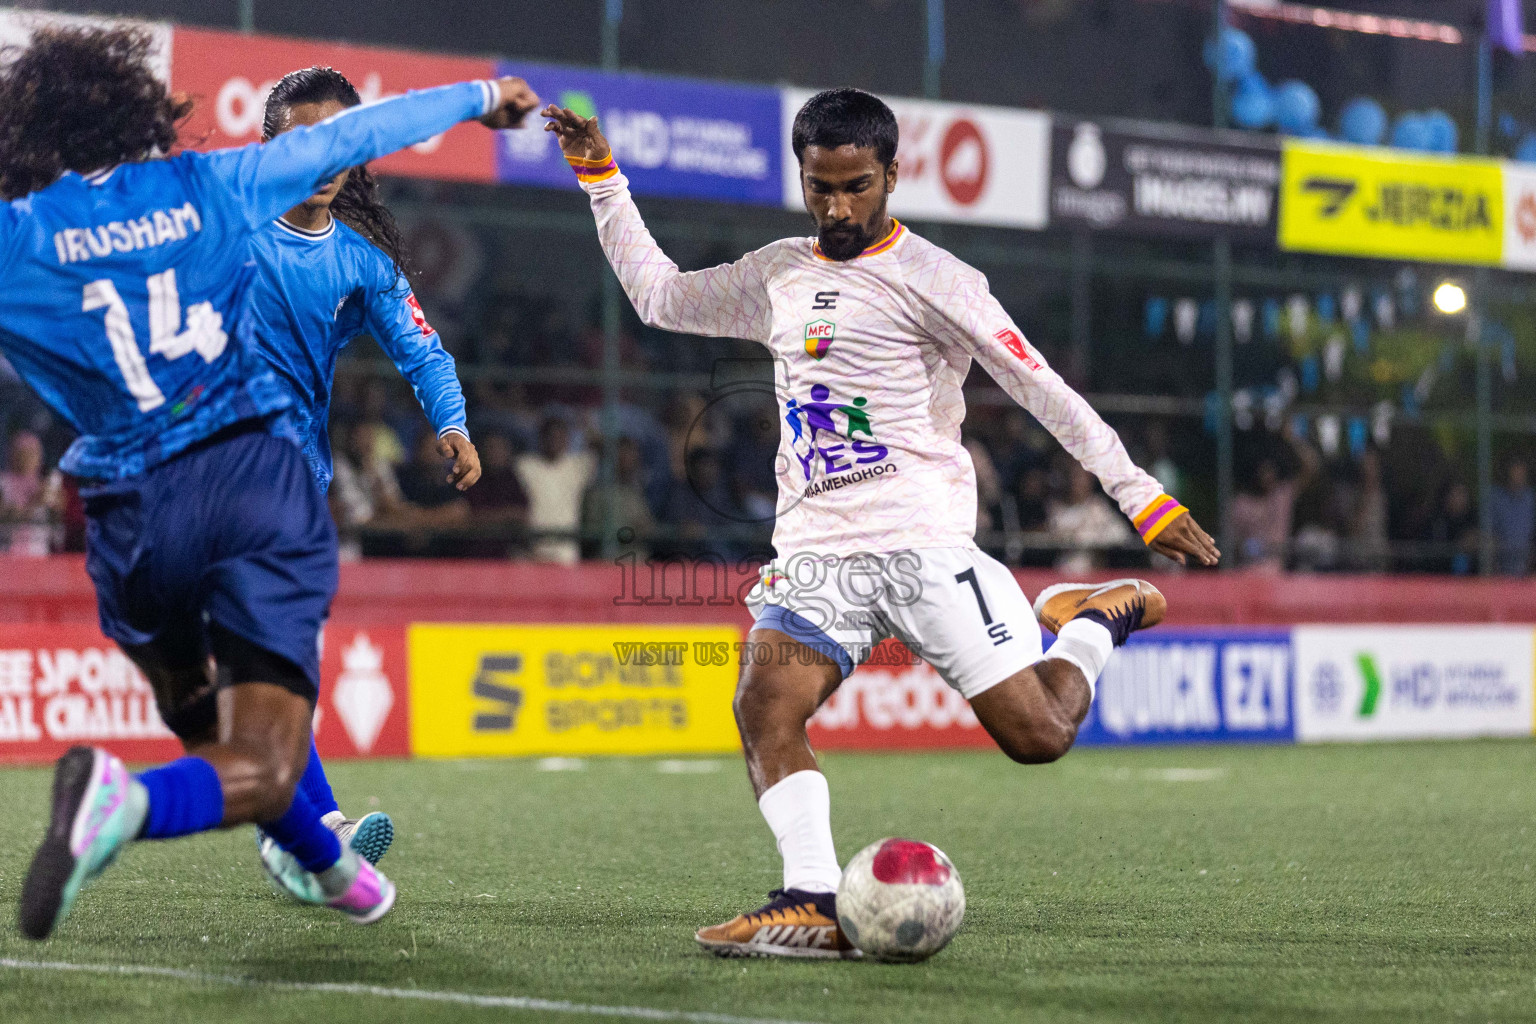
column 155, row 228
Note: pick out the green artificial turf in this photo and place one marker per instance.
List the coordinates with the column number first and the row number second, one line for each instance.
column 1349, row 883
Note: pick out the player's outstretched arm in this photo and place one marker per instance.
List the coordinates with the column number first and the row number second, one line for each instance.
column 269, row 178
column 728, row 301
column 395, row 320
column 964, row 312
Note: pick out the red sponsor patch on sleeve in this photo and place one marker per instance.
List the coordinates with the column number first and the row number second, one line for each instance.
column 1015, row 344
column 417, row 315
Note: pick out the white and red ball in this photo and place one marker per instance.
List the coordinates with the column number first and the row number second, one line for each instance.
column 900, row 900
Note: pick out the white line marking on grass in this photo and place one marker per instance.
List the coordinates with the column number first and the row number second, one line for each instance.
column 1184, row 774
column 381, row 992
column 561, row 764
column 687, row 767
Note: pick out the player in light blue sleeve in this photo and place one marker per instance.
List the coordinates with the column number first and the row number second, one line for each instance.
column 125, row 290
column 328, row 270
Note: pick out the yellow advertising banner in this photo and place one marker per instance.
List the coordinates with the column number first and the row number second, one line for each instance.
column 1353, row 201
column 486, row 690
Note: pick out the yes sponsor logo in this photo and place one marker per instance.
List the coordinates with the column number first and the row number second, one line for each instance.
column 825, row 438
column 1399, row 682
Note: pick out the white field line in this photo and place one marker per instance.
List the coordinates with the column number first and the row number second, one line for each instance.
column 378, row 991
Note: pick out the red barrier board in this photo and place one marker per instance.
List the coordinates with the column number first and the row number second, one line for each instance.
column 895, row 702
column 229, row 76
column 64, row 683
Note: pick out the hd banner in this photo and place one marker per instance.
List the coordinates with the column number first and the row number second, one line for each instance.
column 1122, row 177
column 956, row 162
column 677, row 137
column 1413, row 682
column 490, row 690
column 1353, row 201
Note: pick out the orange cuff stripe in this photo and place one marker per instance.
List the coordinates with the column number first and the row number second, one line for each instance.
column 593, row 170
column 1154, row 519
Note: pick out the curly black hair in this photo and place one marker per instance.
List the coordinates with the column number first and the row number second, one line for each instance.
column 81, row 99
column 357, row 204
column 842, row 117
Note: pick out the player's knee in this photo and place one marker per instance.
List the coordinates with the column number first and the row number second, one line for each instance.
column 1039, row 741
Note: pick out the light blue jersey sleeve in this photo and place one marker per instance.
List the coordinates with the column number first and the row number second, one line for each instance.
column 395, row 320
column 269, row 178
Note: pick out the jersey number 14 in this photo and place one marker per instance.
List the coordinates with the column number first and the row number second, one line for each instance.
column 203, row 334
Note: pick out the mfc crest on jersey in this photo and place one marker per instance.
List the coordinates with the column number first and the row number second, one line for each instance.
column 124, row 295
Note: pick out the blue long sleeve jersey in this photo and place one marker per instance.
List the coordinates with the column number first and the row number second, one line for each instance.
column 125, row 296
column 315, row 292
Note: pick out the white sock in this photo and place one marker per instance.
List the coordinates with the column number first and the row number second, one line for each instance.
column 799, row 811
column 1086, row 644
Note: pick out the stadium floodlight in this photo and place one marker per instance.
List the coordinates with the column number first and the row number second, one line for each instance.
column 1450, row 298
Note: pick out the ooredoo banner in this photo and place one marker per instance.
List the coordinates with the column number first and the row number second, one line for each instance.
column 1194, row 686
column 895, row 702
column 491, row 690
column 957, row 162
column 1413, row 682
column 670, row 136
column 1519, row 216
column 229, row 76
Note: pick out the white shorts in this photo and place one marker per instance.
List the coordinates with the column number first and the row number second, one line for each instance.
column 959, row 609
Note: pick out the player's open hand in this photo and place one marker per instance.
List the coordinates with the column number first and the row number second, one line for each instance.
column 579, row 136
column 1183, row 539
column 466, row 460
column 517, row 102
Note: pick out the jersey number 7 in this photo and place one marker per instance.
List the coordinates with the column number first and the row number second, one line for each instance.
column 204, row 332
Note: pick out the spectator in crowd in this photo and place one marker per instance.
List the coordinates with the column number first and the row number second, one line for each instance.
column 1453, row 531
column 431, row 502
column 555, row 478
column 392, row 421
column 1160, row 464
column 753, row 461
column 30, row 501
column 989, row 491
column 1513, row 512
column 1087, row 518
column 701, row 513
column 364, row 489
column 619, row 507
column 498, row 502
column 1262, row 516
column 1367, row 500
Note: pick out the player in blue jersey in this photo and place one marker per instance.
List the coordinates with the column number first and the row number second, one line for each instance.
column 322, row 280
column 125, row 287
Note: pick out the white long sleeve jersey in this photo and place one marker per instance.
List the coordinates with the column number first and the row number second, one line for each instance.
column 870, row 355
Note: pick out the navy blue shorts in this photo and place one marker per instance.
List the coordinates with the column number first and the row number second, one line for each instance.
column 232, row 533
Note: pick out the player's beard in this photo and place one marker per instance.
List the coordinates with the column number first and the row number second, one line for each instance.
column 844, row 240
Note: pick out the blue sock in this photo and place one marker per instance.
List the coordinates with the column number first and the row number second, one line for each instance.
column 184, row 797
column 315, row 785
column 300, row 832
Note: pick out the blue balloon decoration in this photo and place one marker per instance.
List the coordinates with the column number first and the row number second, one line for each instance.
column 1509, row 125
column 1156, row 317
column 1526, row 151
column 1296, row 107
column 1442, row 131
column 1253, row 104
column 1410, row 131
column 1361, row 331
column 1327, row 306
column 1311, row 374
column 1271, row 317
column 1363, row 122
column 1230, row 54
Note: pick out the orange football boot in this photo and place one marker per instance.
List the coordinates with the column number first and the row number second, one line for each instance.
column 1122, row 606
column 792, row 923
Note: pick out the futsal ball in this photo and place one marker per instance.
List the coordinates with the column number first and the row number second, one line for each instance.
column 900, row 900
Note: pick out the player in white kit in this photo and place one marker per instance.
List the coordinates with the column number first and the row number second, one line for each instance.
column 873, row 330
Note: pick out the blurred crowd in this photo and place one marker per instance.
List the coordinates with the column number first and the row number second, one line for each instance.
column 695, row 478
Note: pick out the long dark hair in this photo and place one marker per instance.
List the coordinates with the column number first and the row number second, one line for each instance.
column 357, row 204
column 81, row 99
